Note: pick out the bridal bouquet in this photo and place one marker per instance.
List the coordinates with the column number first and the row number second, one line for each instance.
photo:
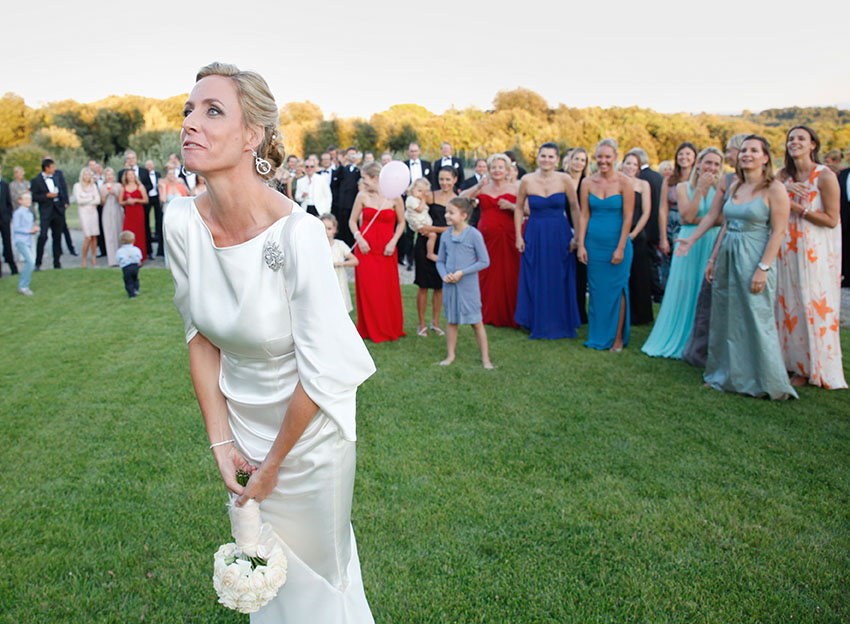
column 249, row 572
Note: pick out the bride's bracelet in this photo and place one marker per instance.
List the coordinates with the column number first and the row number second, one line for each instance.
column 212, row 446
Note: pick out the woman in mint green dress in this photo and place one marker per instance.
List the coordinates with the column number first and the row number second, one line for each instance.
column 676, row 317
column 744, row 355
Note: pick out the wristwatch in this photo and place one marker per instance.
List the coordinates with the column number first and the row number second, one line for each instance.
column 764, row 267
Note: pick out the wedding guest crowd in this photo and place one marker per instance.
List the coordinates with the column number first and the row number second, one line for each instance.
column 595, row 242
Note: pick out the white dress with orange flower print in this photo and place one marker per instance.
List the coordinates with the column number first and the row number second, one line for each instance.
column 809, row 295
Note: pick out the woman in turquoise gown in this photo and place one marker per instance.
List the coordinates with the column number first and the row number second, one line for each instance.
column 605, row 247
column 744, row 355
column 675, row 320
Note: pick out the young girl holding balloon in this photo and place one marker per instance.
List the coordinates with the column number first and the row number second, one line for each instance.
column 377, row 222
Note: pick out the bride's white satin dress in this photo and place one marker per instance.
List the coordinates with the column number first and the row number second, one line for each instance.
column 275, row 328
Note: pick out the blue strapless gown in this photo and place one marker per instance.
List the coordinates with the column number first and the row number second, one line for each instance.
column 675, row 320
column 607, row 283
column 546, row 299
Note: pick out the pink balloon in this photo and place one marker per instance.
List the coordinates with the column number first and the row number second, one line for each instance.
column 394, row 179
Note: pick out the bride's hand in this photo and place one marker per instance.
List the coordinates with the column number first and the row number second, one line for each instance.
column 261, row 484
column 230, row 460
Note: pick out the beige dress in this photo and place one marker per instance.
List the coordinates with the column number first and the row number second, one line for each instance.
column 87, row 198
column 113, row 220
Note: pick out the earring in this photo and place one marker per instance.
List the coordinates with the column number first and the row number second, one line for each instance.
column 183, row 171
column 262, row 166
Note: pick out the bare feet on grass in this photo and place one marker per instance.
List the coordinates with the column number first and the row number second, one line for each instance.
column 488, row 364
column 447, row 361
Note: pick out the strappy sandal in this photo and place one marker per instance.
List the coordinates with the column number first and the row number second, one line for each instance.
column 437, row 330
column 423, row 331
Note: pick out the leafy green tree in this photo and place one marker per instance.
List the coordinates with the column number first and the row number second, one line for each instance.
column 401, row 140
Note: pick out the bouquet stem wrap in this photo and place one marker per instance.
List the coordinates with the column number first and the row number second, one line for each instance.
column 246, row 525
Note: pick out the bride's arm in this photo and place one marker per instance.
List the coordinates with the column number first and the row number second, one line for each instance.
column 204, row 365
column 299, row 413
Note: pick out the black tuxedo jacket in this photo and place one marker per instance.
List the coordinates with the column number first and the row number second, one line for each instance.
column 426, row 169
column 655, row 180
column 456, row 165
column 149, row 184
column 6, row 207
column 39, row 190
column 844, row 203
column 344, row 188
column 469, row 183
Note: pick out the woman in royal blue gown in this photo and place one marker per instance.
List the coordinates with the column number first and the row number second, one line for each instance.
column 546, row 298
column 604, row 245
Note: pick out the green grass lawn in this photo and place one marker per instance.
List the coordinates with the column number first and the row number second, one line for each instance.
column 568, row 485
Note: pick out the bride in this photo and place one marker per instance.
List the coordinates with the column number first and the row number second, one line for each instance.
column 274, row 358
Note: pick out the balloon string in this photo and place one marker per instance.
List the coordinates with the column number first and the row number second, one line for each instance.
column 366, row 229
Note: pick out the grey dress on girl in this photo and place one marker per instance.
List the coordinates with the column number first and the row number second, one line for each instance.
column 462, row 252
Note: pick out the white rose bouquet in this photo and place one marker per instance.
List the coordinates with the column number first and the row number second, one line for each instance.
column 248, row 573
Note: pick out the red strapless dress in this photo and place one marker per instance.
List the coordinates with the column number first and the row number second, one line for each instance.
column 499, row 282
column 134, row 220
column 379, row 313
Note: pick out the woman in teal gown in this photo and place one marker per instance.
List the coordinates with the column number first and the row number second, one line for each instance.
column 744, row 355
column 605, row 247
column 675, row 320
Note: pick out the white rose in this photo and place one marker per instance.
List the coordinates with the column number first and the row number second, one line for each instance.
column 230, row 577
column 275, row 577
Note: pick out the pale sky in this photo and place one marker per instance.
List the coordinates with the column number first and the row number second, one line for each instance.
column 357, row 58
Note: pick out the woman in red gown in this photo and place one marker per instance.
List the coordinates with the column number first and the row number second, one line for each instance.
column 499, row 282
column 377, row 223
column 133, row 198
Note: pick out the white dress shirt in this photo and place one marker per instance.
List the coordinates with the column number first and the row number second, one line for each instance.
column 415, row 170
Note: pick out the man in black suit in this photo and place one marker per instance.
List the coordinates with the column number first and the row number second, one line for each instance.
column 155, row 206
column 655, row 181
column 844, row 197
column 6, row 209
column 478, row 172
column 59, row 177
column 51, row 196
column 418, row 169
column 447, row 160
column 344, row 189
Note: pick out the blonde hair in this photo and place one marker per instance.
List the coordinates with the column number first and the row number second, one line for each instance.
column 258, row 109
column 609, row 142
column 503, row 157
column 695, row 171
column 372, row 169
column 735, row 142
column 91, row 175
column 127, row 238
column 418, row 182
column 329, row 217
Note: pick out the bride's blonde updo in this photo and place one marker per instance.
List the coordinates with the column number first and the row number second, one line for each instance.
column 258, row 109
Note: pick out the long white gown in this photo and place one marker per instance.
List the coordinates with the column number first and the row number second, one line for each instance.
column 275, row 328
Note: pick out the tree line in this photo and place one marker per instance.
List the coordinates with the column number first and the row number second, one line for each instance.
column 519, row 119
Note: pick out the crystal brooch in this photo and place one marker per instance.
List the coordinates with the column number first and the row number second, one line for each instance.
column 273, row 255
